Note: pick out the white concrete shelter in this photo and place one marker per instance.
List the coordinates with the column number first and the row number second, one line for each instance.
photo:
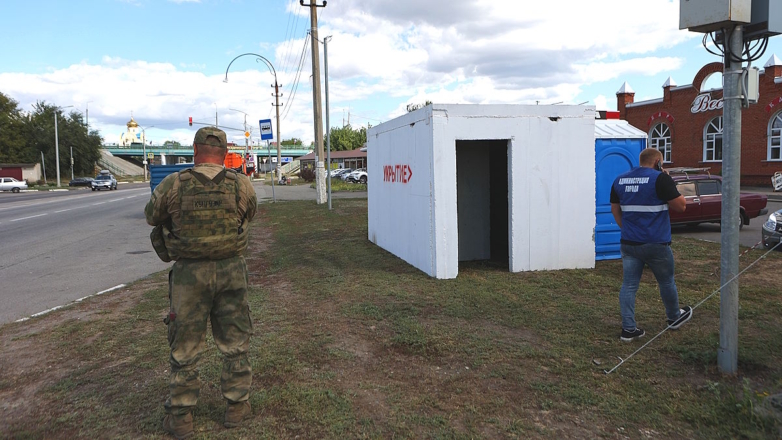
column 450, row 183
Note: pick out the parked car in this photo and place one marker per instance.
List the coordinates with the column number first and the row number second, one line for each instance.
column 772, row 231
column 703, row 194
column 81, row 181
column 343, row 173
column 11, row 184
column 104, row 180
column 338, row 172
column 358, row 176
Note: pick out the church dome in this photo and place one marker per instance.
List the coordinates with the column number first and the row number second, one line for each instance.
column 132, row 123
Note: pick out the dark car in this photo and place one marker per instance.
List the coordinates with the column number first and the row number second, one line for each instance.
column 104, row 180
column 772, row 231
column 703, row 193
column 81, row 181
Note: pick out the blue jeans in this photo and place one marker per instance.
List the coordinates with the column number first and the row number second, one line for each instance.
column 659, row 258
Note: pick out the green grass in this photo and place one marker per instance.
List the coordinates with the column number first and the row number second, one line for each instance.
column 352, row 342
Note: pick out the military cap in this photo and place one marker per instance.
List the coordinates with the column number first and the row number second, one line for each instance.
column 203, row 134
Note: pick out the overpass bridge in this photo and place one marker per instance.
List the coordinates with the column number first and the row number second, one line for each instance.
column 137, row 150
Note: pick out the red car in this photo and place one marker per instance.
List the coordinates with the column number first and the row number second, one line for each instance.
column 703, row 193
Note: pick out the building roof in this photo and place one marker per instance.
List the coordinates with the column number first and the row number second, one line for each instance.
column 17, row 165
column 616, row 129
column 625, row 89
column 773, row 61
column 338, row 154
column 669, row 82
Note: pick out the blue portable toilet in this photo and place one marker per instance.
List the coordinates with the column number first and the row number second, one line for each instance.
column 617, row 146
column 158, row 172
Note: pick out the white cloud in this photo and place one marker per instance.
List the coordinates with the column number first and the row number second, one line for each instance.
column 491, row 51
column 159, row 94
column 384, row 55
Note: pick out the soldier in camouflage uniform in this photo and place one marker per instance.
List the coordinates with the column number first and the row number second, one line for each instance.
column 204, row 213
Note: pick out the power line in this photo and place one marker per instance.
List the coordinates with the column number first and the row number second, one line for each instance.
column 295, row 85
column 289, row 39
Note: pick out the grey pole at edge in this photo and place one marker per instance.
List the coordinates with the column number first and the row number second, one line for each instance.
column 328, row 126
column 727, row 356
column 269, row 156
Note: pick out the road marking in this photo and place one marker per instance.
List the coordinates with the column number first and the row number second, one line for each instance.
column 118, row 286
column 35, row 315
column 25, row 218
column 64, row 210
column 114, row 200
column 99, row 203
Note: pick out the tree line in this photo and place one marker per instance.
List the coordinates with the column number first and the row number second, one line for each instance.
column 24, row 136
column 347, row 138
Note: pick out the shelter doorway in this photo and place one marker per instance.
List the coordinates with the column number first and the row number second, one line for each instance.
column 482, row 200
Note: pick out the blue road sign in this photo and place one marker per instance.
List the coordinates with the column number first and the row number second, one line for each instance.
column 287, row 159
column 266, row 129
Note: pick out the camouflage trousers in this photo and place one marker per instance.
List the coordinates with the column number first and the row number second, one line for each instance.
column 214, row 290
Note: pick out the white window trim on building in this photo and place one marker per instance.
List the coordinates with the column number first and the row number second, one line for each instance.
column 775, row 137
column 711, row 139
column 660, row 138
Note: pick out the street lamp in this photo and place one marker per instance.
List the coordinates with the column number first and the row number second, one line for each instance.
column 144, row 149
column 57, row 142
column 246, row 138
column 276, row 97
column 87, row 114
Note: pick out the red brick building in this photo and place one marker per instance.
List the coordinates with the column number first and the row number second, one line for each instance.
column 686, row 124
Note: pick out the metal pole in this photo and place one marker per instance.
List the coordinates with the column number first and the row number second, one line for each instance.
column 269, row 155
column 144, row 152
column 727, row 356
column 43, row 163
column 246, row 144
column 56, row 147
column 320, row 178
column 328, row 126
column 71, row 162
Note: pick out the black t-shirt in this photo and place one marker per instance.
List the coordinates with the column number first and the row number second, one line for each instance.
column 664, row 186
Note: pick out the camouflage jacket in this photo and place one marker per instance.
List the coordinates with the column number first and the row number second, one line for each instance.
column 203, row 232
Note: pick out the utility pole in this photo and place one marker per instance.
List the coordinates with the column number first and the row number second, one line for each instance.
column 320, row 177
column 277, row 106
column 727, row 356
column 71, row 162
column 43, row 164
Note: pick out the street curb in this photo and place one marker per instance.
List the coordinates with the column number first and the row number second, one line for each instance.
column 45, row 312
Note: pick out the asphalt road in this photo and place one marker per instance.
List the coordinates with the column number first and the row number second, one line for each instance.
column 749, row 236
column 61, row 246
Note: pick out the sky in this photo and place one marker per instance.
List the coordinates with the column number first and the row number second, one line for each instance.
column 163, row 61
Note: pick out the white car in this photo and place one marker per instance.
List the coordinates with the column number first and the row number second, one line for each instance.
column 358, row 176
column 11, row 184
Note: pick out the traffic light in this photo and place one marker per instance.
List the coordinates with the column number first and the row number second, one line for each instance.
column 190, row 121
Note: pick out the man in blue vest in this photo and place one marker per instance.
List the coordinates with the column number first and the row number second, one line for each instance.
column 640, row 200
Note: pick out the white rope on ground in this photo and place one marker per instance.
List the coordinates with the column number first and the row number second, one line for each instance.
column 622, row 361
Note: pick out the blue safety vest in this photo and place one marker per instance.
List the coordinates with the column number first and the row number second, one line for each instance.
column 645, row 217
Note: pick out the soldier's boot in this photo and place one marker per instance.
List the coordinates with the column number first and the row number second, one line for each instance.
column 235, row 413
column 181, row 427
